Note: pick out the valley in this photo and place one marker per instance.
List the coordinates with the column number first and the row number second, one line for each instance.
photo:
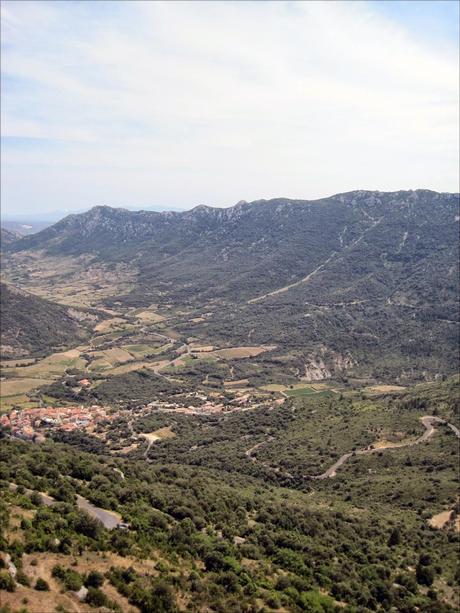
column 223, row 410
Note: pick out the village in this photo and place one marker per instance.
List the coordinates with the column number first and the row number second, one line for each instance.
column 32, row 424
column 242, row 401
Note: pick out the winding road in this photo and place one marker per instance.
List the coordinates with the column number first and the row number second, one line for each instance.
column 427, row 420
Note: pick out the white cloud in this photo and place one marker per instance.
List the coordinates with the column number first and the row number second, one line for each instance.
column 182, row 103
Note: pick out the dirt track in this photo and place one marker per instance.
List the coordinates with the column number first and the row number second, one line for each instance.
column 427, row 421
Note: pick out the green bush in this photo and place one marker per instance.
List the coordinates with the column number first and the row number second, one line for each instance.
column 424, row 574
column 22, row 578
column 96, row 598
column 41, row 585
column 6, row 581
column 94, row 579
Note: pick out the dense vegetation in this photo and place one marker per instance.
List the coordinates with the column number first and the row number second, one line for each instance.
column 31, row 325
column 221, row 535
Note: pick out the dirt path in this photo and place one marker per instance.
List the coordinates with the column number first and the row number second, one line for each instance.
column 120, row 472
column 296, row 283
column 427, row 421
column 313, row 273
column 249, row 452
column 150, row 438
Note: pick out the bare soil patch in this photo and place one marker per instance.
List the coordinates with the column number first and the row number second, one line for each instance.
column 238, row 383
column 235, row 353
column 383, row 389
column 440, row 520
column 158, row 435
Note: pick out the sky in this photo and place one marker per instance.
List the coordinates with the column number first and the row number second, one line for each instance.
column 168, row 105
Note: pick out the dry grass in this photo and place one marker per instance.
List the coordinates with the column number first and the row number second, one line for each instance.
column 141, row 350
column 202, row 348
column 14, row 387
column 46, row 602
column 273, row 387
column 235, row 353
column 121, row 370
column 383, row 389
column 16, row 363
column 106, row 360
column 238, row 383
column 53, row 366
column 158, row 435
column 110, row 324
column 6, row 404
column 69, row 280
column 117, row 355
column 149, row 317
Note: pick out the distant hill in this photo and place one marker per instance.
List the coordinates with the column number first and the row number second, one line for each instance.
column 363, row 282
column 24, row 228
column 7, row 237
column 30, row 325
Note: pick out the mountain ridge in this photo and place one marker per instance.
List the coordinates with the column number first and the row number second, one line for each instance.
column 100, row 213
column 357, row 281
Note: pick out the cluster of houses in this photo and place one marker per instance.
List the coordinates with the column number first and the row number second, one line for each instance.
column 242, row 401
column 31, row 424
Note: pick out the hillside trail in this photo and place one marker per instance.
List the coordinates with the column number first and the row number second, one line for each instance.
column 313, row 273
column 428, row 422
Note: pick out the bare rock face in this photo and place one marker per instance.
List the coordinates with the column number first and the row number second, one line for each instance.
column 316, row 370
column 327, row 364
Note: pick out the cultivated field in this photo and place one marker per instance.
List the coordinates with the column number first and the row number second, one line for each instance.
column 13, row 387
column 236, row 353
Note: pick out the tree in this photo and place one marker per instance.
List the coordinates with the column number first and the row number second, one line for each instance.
column 395, row 538
column 424, row 574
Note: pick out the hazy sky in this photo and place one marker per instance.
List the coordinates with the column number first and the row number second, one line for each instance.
column 174, row 104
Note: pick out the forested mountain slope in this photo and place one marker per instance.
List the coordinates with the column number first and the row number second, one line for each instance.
column 31, row 325
column 346, row 282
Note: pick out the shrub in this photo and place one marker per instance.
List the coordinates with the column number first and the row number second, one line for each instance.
column 96, row 598
column 73, row 580
column 36, row 499
column 22, row 578
column 424, row 574
column 6, row 581
column 395, row 537
column 94, row 579
column 41, row 585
